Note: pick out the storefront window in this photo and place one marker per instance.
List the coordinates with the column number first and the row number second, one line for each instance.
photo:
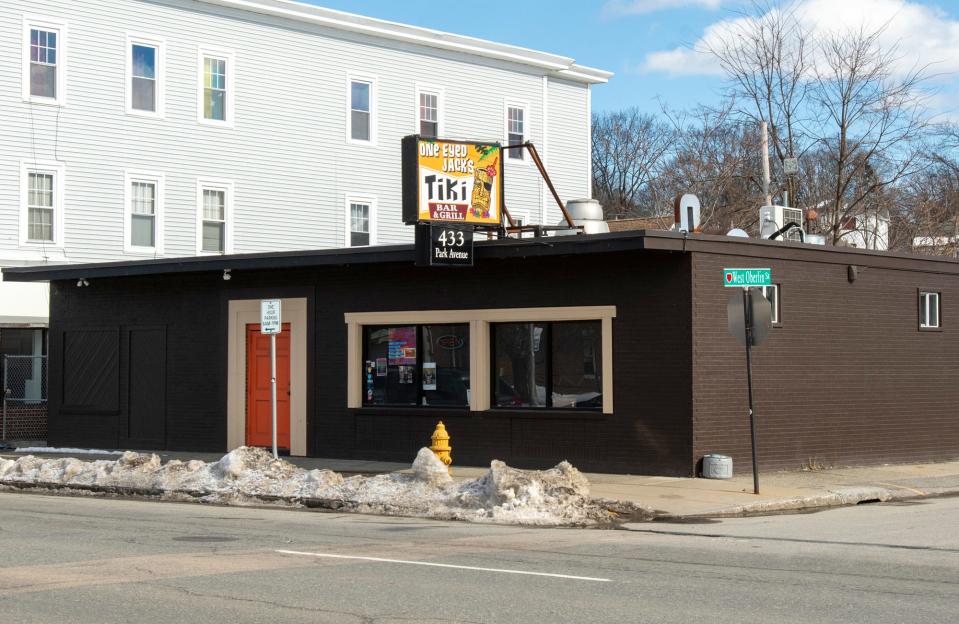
column 417, row 365
column 548, row 365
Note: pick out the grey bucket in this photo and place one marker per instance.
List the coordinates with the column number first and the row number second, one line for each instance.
column 717, row 466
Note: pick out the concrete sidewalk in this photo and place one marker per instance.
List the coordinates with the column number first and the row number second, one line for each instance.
column 679, row 497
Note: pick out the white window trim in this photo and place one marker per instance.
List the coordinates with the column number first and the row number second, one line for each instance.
column 440, row 94
column 160, row 45
column 58, row 170
column 215, row 185
column 924, row 298
column 775, row 309
column 348, row 229
column 129, row 177
column 44, row 23
column 230, row 57
column 374, row 95
column 508, row 104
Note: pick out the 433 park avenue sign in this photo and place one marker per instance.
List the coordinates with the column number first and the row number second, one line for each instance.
column 451, row 181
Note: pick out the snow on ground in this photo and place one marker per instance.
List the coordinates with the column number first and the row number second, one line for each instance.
column 65, row 451
column 555, row 497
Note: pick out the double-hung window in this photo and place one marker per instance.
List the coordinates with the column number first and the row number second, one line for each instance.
column 547, row 365
column 361, row 118
column 929, row 308
column 214, row 222
column 360, row 221
column 216, row 88
column 145, row 75
column 428, row 113
column 515, row 130
column 44, row 64
column 143, row 231
column 41, row 215
column 40, row 196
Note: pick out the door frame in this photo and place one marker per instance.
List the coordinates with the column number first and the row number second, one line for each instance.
column 242, row 312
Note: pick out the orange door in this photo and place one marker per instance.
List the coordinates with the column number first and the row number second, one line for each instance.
column 258, row 405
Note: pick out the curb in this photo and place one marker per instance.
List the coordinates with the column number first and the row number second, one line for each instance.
column 839, row 497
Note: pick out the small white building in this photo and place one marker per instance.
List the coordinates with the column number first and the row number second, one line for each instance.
column 153, row 128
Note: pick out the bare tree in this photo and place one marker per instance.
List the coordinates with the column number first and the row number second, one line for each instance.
column 766, row 57
column 871, row 121
column 628, row 149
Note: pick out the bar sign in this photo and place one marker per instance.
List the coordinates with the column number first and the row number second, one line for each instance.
column 744, row 278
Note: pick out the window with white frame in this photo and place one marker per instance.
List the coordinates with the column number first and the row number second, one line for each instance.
column 515, row 130
column 143, row 230
column 360, row 217
column 215, row 91
column 429, row 114
column 361, row 110
column 145, row 69
column 213, row 227
column 771, row 293
column 44, row 61
column 929, row 317
column 41, row 203
column 214, row 88
column 40, row 206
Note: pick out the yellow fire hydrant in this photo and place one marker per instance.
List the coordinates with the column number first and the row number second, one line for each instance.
column 441, row 445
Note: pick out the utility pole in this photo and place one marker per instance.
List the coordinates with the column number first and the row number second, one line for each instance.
column 765, row 149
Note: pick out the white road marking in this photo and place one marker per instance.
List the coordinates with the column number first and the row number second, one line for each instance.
column 444, row 565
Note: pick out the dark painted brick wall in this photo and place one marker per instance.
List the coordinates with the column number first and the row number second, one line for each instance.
column 847, row 379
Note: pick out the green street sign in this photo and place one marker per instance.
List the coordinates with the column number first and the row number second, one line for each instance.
column 743, row 278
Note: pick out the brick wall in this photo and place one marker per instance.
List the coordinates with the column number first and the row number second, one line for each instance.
column 846, row 379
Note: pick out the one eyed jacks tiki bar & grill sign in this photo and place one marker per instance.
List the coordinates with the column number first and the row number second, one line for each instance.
column 452, row 181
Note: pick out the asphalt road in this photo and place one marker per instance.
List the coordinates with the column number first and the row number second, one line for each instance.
column 96, row 560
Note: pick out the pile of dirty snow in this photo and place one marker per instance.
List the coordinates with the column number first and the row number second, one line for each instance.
column 555, row 497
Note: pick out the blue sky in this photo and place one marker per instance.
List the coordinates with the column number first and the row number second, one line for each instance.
column 645, row 42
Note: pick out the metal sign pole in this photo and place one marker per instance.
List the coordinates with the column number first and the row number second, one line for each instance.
column 273, row 389
column 747, row 315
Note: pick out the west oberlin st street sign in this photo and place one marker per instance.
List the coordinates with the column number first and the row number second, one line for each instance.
column 745, row 278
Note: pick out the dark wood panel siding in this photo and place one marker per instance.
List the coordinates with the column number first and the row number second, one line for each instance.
column 650, row 431
column 847, row 379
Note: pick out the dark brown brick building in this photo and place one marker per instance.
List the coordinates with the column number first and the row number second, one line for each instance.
column 609, row 350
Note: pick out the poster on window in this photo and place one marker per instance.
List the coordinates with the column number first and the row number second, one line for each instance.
column 429, row 375
column 402, row 346
column 381, row 367
column 451, row 181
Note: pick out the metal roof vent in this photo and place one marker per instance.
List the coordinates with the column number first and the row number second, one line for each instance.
column 587, row 213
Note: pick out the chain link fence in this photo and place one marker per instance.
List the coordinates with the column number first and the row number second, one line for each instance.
column 24, row 397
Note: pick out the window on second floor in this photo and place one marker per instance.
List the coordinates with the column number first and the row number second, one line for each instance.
column 214, row 217
column 40, row 206
column 146, row 77
column 143, row 230
column 429, row 114
column 216, row 88
column 515, row 130
column 360, row 220
column 361, row 111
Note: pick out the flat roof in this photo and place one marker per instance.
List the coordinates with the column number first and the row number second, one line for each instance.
column 562, row 66
column 636, row 240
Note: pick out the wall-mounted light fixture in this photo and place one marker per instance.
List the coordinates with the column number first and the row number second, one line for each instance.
column 226, row 275
column 852, row 273
column 82, row 282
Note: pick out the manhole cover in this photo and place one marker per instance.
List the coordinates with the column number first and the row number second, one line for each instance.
column 204, row 538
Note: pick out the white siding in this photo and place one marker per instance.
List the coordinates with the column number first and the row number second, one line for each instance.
column 286, row 153
column 568, row 160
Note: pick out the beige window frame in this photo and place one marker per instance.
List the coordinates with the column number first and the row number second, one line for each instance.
column 479, row 322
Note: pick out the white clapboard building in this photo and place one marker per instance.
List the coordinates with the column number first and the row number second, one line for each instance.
column 137, row 129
